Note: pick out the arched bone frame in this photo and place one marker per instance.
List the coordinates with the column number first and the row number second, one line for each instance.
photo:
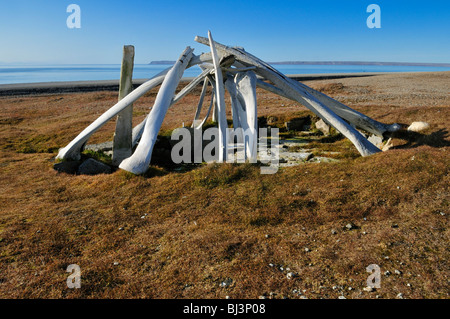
column 295, row 92
column 73, row 149
column 139, row 162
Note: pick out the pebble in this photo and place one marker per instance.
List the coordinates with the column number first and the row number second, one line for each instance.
column 400, row 296
column 368, row 289
column 333, row 232
column 397, row 272
column 267, row 236
column 307, row 249
column 387, row 273
column 341, row 297
column 116, row 263
column 290, row 275
column 350, row 226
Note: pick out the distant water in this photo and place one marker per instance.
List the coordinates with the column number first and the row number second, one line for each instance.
column 10, row 74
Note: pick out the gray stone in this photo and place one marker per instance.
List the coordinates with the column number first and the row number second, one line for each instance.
column 376, row 140
column 93, row 167
column 102, row 147
column 69, row 167
column 323, row 127
column 296, row 124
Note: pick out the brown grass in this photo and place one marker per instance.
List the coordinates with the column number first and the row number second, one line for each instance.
column 181, row 234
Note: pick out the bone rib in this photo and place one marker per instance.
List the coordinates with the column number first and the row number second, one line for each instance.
column 139, row 162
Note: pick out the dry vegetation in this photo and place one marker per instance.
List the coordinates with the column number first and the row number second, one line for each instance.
column 182, row 234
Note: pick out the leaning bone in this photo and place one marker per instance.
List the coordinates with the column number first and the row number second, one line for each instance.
column 211, row 105
column 363, row 146
column 122, row 145
column 138, row 130
column 200, row 102
column 356, row 118
column 72, row 150
column 188, row 88
column 139, row 162
column 220, row 95
column 238, row 111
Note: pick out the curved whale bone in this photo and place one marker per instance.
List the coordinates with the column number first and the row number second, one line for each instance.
column 138, row 130
column 139, row 162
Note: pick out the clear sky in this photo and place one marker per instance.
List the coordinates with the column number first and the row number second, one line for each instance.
column 35, row 31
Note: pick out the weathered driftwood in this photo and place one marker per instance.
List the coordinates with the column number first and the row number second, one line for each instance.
column 279, row 80
column 122, row 144
column 139, row 162
column 220, row 98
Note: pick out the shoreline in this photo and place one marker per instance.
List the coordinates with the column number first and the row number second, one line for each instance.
column 42, row 88
column 113, row 85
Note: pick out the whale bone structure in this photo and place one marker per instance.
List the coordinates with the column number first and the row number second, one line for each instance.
column 239, row 72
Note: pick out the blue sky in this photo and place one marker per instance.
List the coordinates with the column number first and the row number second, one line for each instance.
column 35, row 31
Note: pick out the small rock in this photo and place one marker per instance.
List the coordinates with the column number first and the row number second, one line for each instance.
column 341, row 297
column 387, row 273
column 267, row 236
column 116, row 263
column 333, row 232
column 376, row 140
column 69, row 167
column 262, row 297
column 93, row 167
column 226, row 283
column 368, row 289
column 290, row 275
column 400, row 296
column 394, row 225
column 397, row 272
column 307, row 249
column 303, row 297
column 351, row 226
column 418, row 126
column 323, row 127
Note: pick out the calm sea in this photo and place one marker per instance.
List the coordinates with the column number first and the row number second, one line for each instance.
column 10, row 74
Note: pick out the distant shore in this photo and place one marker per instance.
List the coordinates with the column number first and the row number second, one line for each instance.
column 444, row 65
